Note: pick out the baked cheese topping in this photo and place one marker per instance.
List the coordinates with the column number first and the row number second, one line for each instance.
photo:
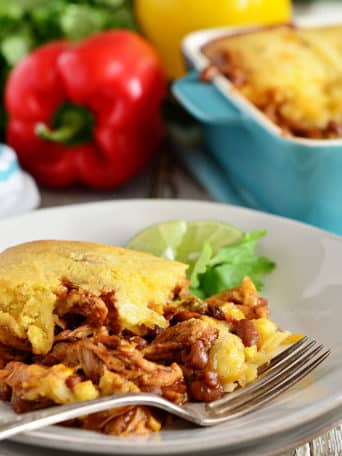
column 293, row 75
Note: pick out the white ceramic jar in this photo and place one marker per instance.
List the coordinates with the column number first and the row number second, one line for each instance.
column 18, row 191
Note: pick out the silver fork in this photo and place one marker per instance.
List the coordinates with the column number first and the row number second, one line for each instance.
column 282, row 372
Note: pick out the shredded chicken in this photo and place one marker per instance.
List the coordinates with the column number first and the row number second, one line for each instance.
column 245, row 297
column 77, row 301
column 94, row 354
column 187, row 342
column 132, row 420
column 92, row 357
column 82, row 332
column 8, row 354
column 36, row 386
column 9, row 340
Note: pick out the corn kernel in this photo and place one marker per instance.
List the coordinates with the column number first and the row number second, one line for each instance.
column 251, row 352
column 251, row 372
column 231, row 312
column 154, row 424
column 265, row 329
column 85, row 391
column 112, row 383
column 293, row 338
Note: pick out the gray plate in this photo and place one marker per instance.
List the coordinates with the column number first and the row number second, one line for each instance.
column 304, row 293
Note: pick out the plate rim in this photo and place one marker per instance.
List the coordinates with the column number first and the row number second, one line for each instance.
column 317, row 430
column 156, row 201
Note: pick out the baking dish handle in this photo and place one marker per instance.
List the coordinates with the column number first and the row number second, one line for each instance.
column 204, row 101
column 211, row 175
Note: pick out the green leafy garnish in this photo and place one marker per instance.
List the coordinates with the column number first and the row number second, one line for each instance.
column 213, row 273
column 219, row 255
column 201, row 265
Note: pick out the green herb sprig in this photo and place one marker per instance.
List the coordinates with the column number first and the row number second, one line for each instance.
column 226, row 269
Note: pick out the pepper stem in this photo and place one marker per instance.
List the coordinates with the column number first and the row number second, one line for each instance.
column 61, row 135
column 71, row 125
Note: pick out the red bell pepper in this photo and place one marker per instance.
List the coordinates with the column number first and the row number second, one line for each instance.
column 88, row 112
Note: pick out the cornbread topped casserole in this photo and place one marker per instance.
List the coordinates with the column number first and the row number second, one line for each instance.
column 41, row 282
column 293, row 75
column 81, row 320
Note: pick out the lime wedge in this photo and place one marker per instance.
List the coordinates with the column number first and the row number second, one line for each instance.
column 182, row 240
column 161, row 240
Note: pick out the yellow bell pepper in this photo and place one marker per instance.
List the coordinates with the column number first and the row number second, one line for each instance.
column 166, row 22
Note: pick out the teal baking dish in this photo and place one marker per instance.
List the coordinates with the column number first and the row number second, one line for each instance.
column 290, row 176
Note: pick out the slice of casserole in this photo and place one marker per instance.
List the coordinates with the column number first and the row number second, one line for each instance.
column 41, row 282
column 293, row 75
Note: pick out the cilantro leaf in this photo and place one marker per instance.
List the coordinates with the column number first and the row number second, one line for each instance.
column 201, row 265
column 226, row 269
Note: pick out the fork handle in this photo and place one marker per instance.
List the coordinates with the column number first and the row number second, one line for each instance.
column 41, row 418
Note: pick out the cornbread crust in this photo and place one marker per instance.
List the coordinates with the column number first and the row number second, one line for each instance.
column 32, row 277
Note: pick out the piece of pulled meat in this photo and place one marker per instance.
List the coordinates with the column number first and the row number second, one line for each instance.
column 131, row 420
column 13, row 342
column 245, row 297
column 77, row 306
column 82, row 332
column 20, row 405
column 16, row 379
column 188, row 342
column 94, row 354
column 8, row 354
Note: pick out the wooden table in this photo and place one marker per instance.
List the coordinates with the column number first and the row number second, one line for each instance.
column 168, row 179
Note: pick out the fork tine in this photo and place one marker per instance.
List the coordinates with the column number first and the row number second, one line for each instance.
column 267, row 397
column 277, row 365
column 275, row 388
column 269, row 381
